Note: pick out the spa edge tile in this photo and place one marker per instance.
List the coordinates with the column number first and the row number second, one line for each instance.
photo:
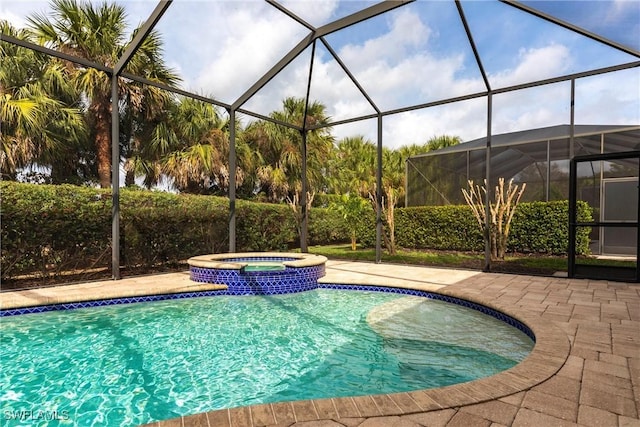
column 197, row 420
column 174, row 422
column 386, row 405
column 450, row 396
column 366, row 406
column 424, row 401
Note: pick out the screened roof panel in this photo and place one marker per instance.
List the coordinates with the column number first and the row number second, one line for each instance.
column 332, row 86
column 517, row 47
column 612, row 98
column 543, row 134
column 536, row 107
column 222, row 47
column 618, row 21
column 414, row 54
column 319, row 13
column 290, row 82
column 17, row 12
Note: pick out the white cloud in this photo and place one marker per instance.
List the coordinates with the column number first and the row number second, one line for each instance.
column 260, row 36
column 16, row 12
column 314, row 12
column 535, row 64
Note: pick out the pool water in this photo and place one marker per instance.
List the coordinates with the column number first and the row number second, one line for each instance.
column 136, row 363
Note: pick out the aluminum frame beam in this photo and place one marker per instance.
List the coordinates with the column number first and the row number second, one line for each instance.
column 306, row 41
column 141, row 35
column 476, row 54
column 565, row 78
column 56, row 53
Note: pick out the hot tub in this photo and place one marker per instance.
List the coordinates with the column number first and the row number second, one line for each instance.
column 259, row 273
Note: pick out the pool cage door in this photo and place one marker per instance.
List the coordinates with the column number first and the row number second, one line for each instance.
column 609, row 184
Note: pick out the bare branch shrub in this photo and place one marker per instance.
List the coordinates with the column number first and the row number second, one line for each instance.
column 501, row 212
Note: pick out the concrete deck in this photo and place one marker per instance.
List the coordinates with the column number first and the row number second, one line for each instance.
column 584, row 369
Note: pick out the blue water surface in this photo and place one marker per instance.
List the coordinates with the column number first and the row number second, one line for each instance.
column 136, row 363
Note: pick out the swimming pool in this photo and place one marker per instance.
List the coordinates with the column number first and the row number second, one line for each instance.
column 135, row 363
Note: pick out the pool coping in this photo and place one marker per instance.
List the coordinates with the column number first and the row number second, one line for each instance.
column 549, row 354
column 222, row 261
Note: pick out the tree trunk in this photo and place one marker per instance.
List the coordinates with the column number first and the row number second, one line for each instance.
column 129, row 178
column 101, row 112
column 494, row 244
column 353, row 240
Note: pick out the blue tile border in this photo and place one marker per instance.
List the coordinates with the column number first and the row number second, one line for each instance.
column 239, row 282
column 249, row 290
column 105, row 302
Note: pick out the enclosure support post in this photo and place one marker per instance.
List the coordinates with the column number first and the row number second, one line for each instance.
column 571, row 249
column 232, row 180
column 303, row 196
column 572, row 117
column 115, row 180
column 487, row 201
column 379, row 229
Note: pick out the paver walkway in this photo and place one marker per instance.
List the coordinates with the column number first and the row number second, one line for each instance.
column 584, row 370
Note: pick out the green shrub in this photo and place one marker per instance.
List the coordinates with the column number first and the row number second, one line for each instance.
column 543, row 227
column 540, row 227
column 47, row 229
column 438, row 227
column 53, row 228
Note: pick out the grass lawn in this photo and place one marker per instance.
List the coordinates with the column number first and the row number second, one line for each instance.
column 513, row 263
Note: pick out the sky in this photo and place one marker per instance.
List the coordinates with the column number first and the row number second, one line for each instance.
column 416, row 54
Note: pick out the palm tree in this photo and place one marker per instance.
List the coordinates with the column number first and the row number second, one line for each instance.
column 353, row 167
column 36, row 109
column 98, row 33
column 198, row 149
column 281, row 149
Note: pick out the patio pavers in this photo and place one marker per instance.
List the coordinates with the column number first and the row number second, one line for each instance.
column 584, row 370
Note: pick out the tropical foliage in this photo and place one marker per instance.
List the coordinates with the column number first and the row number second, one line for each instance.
column 57, row 118
column 98, row 33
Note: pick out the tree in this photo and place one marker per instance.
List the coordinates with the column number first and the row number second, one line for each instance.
column 352, row 169
column 36, row 109
column 497, row 226
column 280, row 174
column 352, row 208
column 195, row 159
column 98, row 33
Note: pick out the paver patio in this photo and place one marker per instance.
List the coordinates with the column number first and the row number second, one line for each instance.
column 584, row 369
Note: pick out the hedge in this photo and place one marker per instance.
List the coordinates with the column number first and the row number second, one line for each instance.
column 537, row 227
column 48, row 229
